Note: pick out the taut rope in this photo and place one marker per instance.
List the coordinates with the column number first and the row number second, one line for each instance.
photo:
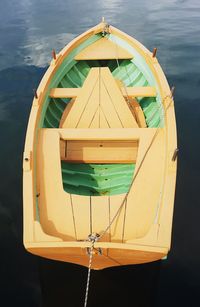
column 91, row 238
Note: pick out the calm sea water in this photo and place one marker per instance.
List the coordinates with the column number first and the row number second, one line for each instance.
column 29, row 29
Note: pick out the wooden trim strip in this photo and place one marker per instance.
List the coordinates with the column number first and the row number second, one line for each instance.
column 139, row 91
column 64, row 92
column 102, row 134
column 143, row 91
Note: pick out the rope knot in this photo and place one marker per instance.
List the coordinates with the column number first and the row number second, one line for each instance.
column 93, row 237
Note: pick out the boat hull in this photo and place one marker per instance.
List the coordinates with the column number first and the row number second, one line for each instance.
column 102, row 257
column 58, row 215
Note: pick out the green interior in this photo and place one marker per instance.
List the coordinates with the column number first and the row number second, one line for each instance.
column 96, row 179
column 100, row 179
column 127, row 71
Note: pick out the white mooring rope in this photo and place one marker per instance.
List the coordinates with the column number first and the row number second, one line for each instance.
column 92, row 238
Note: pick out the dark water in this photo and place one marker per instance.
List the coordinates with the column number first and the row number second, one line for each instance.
column 29, row 29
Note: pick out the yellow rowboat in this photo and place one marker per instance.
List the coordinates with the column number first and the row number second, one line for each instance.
column 99, row 165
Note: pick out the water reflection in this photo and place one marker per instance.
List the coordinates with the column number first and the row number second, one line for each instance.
column 20, row 282
column 38, row 50
column 123, row 286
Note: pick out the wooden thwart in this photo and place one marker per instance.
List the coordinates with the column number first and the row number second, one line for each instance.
column 125, row 134
column 99, row 151
column 136, row 91
column 64, row 92
column 139, row 91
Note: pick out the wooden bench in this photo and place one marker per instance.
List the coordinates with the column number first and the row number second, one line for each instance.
column 136, row 91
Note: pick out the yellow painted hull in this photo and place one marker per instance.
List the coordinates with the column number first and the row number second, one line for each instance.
column 102, row 123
